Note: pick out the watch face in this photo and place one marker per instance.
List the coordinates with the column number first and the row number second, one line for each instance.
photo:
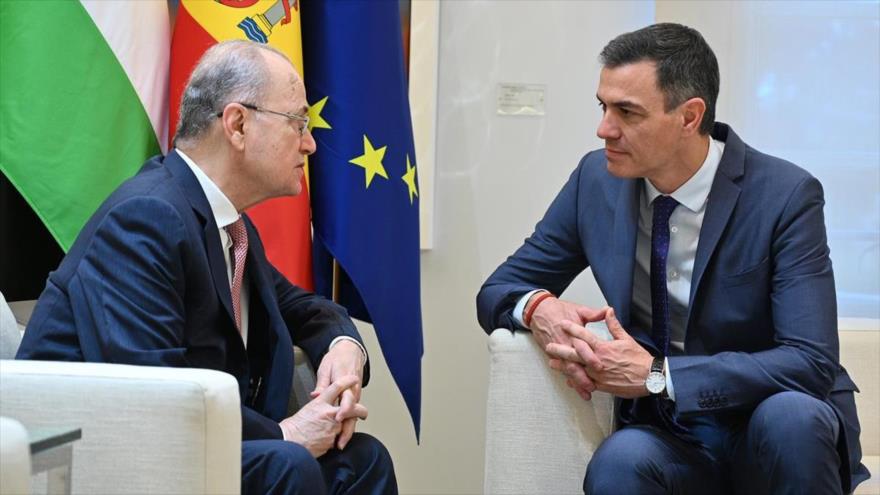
column 656, row 382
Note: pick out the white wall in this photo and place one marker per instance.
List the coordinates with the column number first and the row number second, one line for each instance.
column 799, row 80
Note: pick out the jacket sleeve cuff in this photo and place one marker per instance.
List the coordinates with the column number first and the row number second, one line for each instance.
column 520, row 307
column 346, row 337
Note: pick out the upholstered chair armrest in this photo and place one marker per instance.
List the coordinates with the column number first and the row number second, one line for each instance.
column 539, row 433
column 15, row 457
column 144, row 429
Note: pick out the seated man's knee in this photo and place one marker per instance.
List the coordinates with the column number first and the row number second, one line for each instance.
column 368, row 443
column 364, row 466
column 793, row 417
column 792, row 446
column 626, row 462
column 298, row 458
column 371, row 450
column 277, row 466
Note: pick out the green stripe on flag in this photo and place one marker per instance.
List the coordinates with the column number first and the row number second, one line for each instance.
column 72, row 127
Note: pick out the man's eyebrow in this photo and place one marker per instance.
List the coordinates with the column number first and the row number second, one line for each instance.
column 624, row 104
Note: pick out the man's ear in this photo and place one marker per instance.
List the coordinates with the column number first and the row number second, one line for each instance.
column 232, row 121
column 692, row 112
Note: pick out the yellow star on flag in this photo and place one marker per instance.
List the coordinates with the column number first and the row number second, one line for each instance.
column 371, row 161
column 315, row 119
column 410, row 178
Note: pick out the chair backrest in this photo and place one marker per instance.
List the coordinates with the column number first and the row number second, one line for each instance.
column 860, row 355
column 304, row 381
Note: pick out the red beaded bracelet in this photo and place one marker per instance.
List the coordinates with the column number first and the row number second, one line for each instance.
column 527, row 318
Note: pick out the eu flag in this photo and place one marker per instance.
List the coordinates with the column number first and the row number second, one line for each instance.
column 365, row 204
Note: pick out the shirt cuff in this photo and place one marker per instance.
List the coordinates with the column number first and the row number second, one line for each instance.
column 283, row 433
column 521, row 306
column 670, row 391
column 346, row 337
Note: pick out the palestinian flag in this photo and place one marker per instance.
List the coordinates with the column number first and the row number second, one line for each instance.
column 284, row 223
column 83, row 102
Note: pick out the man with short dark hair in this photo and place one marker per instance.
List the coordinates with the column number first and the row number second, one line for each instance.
column 169, row 272
column 713, row 256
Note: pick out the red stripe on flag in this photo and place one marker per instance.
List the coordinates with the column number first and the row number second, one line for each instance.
column 188, row 43
column 288, row 245
column 284, row 223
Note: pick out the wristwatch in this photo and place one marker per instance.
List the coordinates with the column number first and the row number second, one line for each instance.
column 656, row 381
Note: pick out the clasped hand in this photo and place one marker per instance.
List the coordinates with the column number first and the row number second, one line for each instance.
column 546, row 327
column 330, row 417
column 619, row 366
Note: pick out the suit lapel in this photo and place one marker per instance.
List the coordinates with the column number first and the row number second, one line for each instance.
column 258, row 283
column 626, row 221
column 193, row 192
column 217, row 262
column 279, row 356
column 722, row 200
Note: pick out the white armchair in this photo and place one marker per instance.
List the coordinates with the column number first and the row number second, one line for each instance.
column 144, row 429
column 540, row 435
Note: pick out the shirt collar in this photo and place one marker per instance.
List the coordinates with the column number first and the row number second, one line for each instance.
column 223, row 209
column 694, row 193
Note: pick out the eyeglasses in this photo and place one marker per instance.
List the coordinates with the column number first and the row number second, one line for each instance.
column 302, row 119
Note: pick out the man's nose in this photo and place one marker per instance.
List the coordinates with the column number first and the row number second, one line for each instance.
column 307, row 144
column 607, row 128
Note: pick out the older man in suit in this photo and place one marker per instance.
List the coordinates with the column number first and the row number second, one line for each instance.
column 713, row 256
column 169, row 272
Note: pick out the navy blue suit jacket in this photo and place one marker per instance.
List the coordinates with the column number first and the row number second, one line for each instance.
column 146, row 283
column 762, row 312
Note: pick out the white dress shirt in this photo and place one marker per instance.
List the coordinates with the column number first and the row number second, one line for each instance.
column 225, row 214
column 684, row 235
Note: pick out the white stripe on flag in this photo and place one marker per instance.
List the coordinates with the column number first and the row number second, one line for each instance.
column 139, row 35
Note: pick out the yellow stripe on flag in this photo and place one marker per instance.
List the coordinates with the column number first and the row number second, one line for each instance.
column 221, row 21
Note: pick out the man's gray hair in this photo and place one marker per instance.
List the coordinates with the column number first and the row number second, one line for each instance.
column 232, row 71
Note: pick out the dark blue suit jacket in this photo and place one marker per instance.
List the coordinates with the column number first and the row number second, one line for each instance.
column 145, row 283
column 762, row 314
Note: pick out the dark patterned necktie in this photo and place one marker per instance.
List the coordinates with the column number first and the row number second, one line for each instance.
column 663, row 207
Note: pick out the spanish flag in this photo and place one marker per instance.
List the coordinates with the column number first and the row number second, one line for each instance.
column 284, row 223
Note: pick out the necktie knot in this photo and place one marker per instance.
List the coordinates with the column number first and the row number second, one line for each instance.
column 663, row 207
column 238, row 232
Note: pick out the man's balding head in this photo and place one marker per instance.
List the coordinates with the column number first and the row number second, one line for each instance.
column 232, row 71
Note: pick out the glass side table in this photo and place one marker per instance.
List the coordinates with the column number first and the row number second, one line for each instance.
column 52, row 452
